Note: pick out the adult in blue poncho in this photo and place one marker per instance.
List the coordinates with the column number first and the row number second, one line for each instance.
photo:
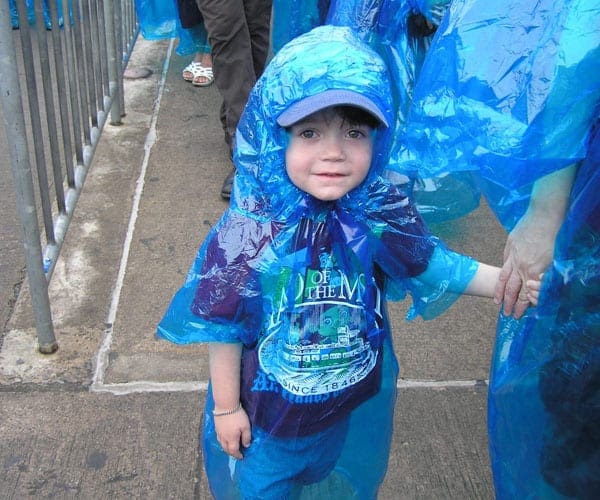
column 289, row 287
column 569, row 380
column 510, row 90
column 545, row 400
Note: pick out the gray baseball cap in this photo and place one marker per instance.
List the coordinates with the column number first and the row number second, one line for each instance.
column 333, row 97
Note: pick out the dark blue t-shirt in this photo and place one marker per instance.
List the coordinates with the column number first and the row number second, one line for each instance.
column 317, row 319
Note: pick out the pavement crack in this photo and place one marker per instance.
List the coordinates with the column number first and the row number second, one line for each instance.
column 12, row 302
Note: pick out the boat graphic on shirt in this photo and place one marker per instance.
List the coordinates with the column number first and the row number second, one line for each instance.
column 317, row 342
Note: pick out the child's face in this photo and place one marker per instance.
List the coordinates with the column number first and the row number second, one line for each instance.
column 327, row 157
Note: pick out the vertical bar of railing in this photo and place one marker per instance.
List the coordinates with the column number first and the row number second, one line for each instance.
column 102, row 40
column 71, row 71
column 14, row 122
column 81, row 72
column 96, row 55
column 114, row 60
column 122, row 55
column 89, row 63
column 58, row 35
column 48, row 92
column 36, row 121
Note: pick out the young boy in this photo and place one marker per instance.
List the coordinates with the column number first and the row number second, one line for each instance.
column 289, row 288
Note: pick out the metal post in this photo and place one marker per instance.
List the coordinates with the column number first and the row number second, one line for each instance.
column 21, row 169
column 114, row 63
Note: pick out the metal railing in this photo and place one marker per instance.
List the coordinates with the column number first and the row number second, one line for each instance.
column 53, row 124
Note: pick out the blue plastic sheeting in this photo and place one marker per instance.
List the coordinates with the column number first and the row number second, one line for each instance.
column 508, row 90
column 544, row 409
column 397, row 30
column 159, row 19
column 292, row 18
column 284, row 273
column 404, row 45
column 14, row 15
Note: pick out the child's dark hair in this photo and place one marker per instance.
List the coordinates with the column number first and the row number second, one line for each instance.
column 357, row 116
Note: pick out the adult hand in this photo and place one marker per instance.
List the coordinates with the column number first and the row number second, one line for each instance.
column 530, row 245
column 527, row 253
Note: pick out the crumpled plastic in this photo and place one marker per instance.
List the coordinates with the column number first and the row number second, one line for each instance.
column 159, row 20
column 544, row 404
column 273, row 237
column 509, row 93
column 398, row 30
column 14, row 14
column 292, row 18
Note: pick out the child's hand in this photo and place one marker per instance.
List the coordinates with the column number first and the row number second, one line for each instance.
column 533, row 290
column 233, row 430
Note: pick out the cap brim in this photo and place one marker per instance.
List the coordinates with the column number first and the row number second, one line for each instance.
column 309, row 105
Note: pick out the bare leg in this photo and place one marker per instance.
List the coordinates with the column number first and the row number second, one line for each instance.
column 190, row 70
column 205, row 77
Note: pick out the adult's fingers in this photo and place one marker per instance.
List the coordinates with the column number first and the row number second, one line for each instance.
column 503, row 277
column 512, row 291
column 521, row 305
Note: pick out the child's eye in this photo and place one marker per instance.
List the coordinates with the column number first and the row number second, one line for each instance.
column 308, row 134
column 356, row 134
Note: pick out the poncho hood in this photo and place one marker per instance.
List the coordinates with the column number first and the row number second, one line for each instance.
column 270, row 223
column 326, row 58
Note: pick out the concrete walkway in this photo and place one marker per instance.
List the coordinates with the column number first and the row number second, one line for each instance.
column 115, row 413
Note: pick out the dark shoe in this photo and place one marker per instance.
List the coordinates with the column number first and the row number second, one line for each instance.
column 228, row 185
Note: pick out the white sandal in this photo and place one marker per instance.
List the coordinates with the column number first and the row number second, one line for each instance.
column 203, row 72
column 191, row 70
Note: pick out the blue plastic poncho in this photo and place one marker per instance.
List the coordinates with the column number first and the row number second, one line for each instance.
column 401, row 31
column 544, row 410
column 508, row 90
column 389, row 27
column 404, row 41
column 397, row 30
column 302, row 284
column 292, row 18
column 159, row 19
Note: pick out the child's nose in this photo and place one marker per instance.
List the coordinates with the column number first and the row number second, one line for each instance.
column 333, row 150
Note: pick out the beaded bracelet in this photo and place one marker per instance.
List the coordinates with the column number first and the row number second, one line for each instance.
column 228, row 412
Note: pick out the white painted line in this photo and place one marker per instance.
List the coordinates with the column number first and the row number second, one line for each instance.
column 102, row 357
column 149, row 386
column 435, row 384
column 144, row 386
